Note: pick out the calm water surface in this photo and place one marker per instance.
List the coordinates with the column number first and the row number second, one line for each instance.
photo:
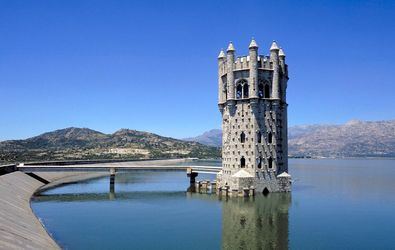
column 335, row 204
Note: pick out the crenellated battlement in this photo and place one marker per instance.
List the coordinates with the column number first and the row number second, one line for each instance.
column 243, row 63
column 252, row 71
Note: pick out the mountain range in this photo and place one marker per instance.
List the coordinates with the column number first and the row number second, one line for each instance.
column 212, row 137
column 84, row 144
column 352, row 139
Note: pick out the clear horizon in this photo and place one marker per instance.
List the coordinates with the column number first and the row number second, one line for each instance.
column 152, row 66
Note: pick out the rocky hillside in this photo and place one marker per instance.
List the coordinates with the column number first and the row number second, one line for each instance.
column 83, row 143
column 211, row 138
column 353, row 139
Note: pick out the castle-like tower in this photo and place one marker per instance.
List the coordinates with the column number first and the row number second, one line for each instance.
column 252, row 101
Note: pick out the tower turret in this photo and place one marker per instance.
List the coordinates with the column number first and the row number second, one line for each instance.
column 230, row 62
column 281, row 56
column 253, row 53
column 274, row 50
column 283, row 86
column 221, row 90
column 284, row 74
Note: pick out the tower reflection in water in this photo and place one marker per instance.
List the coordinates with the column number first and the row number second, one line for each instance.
column 259, row 223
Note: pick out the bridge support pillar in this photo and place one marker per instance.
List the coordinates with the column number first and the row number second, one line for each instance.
column 112, row 183
column 192, row 176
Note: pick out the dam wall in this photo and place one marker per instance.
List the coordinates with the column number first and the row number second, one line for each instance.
column 20, row 228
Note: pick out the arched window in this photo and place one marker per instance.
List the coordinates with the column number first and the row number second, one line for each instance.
column 260, row 162
column 239, row 91
column 245, row 90
column 269, row 138
column 242, row 162
column 261, row 90
column 267, row 91
column 242, row 137
column 270, row 162
column 259, row 137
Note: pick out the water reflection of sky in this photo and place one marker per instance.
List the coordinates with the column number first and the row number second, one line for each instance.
column 334, row 204
column 132, row 181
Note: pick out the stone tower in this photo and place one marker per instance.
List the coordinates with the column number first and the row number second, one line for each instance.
column 252, row 101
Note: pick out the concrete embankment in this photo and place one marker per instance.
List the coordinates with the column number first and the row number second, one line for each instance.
column 19, row 227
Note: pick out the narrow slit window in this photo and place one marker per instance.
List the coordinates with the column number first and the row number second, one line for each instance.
column 242, row 137
column 243, row 162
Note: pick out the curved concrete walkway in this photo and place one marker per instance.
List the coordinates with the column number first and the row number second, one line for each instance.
column 20, row 228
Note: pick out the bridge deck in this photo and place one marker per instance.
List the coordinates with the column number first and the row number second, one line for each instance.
column 118, row 167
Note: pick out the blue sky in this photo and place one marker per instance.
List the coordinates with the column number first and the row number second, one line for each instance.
column 152, row 65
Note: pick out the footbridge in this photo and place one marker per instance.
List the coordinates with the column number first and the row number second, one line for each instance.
column 192, row 170
column 112, row 168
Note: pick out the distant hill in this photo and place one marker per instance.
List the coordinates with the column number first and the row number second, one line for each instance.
column 84, row 143
column 211, row 138
column 353, row 139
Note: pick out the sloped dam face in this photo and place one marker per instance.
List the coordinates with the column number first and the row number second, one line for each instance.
column 334, row 204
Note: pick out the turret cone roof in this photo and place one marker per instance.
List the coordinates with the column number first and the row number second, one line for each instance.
column 253, row 44
column 281, row 52
column 274, row 46
column 221, row 54
column 231, row 47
